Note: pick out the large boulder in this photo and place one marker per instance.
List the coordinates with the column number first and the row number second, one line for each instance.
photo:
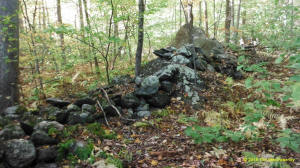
column 19, row 153
column 11, row 132
column 149, row 86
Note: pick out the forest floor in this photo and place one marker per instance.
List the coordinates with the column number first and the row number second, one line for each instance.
column 160, row 141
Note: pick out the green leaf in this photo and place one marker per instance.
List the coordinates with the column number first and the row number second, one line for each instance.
column 279, row 60
column 296, row 91
column 295, row 78
column 248, row 82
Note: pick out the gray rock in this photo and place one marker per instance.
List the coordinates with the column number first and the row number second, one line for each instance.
column 1, row 152
column 14, row 112
column 85, row 100
column 149, row 86
column 179, row 59
column 57, row 102
column 144, row 107
column 143, row 114
column 47, row 154
column 62, row 116
column 159, row 100
column 11, row 132
column 200, row 64
column 130, row 101
column 80, row 118
column 73, row 107
column 27, row 128
column 46, row 165
column 167, row 86
column 138, row 81
column 19, row 153
column 111, row 111
column 164, row 53
column 88, row 108
column 184, row 51
column 177, row 72
column 124, row 79
column 40, row 138
column 46, row 125
column 210, row 68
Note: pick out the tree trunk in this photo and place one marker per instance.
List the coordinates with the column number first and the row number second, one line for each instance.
column 9, row 54
column 206, row 19
column 91, row 39
column 200, row 14
column 215, row 30
column 139, row 50
column 227, row 22
column 180, row 14
column 244, row 19
column 61, row 35
column 232, row 13
column 237, row 23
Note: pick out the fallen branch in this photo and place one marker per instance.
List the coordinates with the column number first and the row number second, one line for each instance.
column 99, row 105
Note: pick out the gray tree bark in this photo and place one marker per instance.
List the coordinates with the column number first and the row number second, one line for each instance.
column 9, row 54
column 227, row 22
column 139, row 50
column 61, row 35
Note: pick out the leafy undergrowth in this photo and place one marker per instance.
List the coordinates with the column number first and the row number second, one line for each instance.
column 246, row 123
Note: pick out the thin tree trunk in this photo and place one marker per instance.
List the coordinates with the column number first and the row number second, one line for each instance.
column 232, row 14
column 44, row 14
column 91, row 41
column 9, row 55
column 215, row 30
column 244, row 19
column 200, row 14
column 219, row 18
column 227, row 22
column 206, row 19
column 61, row 35
column 139, row 50
column 237, row 23
column 180, row 14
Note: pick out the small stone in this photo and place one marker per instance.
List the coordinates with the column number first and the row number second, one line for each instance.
column 130, row 101
column 144, row 107
column 88, row 108
column 73, row 107
column 143, row 114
